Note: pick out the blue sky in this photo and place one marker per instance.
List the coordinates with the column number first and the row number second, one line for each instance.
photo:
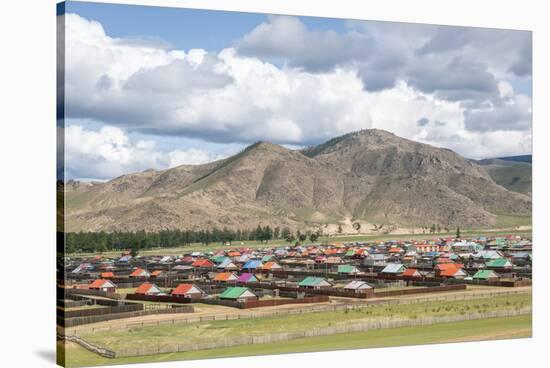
column 155, row 87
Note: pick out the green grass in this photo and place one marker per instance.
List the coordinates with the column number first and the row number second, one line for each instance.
column 487, row 329
column 213, row 330
column 517, row 178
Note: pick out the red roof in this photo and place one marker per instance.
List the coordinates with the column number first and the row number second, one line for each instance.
column 107, row 274
column 137, row 272
column 143, row 288
column 156, row 273
column 202, row 263
column 410, row 272
column 182, row 289
column 449, row 266
column 97, row 284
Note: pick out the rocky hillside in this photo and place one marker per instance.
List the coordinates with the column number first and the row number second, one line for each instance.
column 371, row 176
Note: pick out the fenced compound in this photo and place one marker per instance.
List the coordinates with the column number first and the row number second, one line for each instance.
column 280, row 312
column 322, row 331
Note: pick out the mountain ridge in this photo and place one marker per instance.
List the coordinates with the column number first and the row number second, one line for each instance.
column 369, row 175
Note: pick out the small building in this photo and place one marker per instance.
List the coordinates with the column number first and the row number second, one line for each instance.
column 225, row 277
column 486, row 275
column 499, row 263
column 238, row 294
column 157, row 273
column 313, row 282
column 103, row 285
column 148, row 288
column 203, row 263
column 358, row 286
column 247, row 277
column 454, row 272
column 139, row 272
column 348, row 270
column 107, row 275
column 271, row 266
column 188, row 291
column 227, row 265
column 252, row 264
column 412, row 272
column 394, row 269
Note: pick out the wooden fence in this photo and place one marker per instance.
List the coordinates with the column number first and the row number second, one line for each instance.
column 253, row 313
column 322, row 331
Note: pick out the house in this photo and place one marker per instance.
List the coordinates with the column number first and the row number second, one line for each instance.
column 488, row 254
column 499, row 263
column 412, row 272
column 188, row 291
column 227, row 265
column 271, row 266
column 348, row 269
column 148, row 289
column 375, row 259
column 225, row 277
column 139, row 272
column 84, row 267
column 486, row 275
column 252, row 264
column 394, row 269
column 238, row 294
column 107, row 275
column 202, row 263
column 314, row 283
column 103, row 285
column 156, row 273
column 358, row 286
column 453, row 272
column 247, row 277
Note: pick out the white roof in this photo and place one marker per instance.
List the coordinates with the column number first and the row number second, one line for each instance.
column 357, row 285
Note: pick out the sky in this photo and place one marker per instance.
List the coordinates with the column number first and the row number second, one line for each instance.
column 153, row 87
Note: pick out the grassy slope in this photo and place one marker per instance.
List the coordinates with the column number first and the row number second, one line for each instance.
column 511, row 327
column 208, row 331
column 516, row 178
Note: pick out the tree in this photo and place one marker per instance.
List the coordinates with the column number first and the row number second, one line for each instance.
column 357, row 226
column 276, row 232
column 340, row 229
column 134, row 250
column 285, row 233
column 458, row 233
column 313, row 237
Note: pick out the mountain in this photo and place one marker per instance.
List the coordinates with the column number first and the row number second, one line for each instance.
column 371, row 176
column 513, row 173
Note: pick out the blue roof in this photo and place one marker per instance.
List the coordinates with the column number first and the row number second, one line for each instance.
column 253, row 263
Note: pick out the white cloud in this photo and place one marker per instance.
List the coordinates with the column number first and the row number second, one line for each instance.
column 228, row 97
column 109, row 153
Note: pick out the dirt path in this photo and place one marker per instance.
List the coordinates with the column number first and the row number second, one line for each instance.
column 213, row 311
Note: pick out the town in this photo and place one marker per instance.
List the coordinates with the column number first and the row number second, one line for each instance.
column 142, row 305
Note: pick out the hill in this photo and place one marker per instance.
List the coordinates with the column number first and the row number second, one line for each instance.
column 371, row 175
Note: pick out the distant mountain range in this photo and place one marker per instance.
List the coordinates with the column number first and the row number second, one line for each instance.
column 371, row 176
column 514, row 173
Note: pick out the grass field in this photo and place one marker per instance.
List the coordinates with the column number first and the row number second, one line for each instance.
column 273, row 243
column 214, row 330
column 487, row 329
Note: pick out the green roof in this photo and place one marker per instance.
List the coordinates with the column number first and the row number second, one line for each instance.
column 483, row 274
column 311, row 281
column 217, row 259
column 233, row 292
column 350, row 253
column 346, row 269
column 499, row 262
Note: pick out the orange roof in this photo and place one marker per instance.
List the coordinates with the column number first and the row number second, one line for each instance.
column 410, row 272
column 143, row 288
column 182, row 289
column 449, row 266
column 97, row 284
column 107, row 274
column 234, row 254
column 223, row 276
column 137, row 272
column 395, row 250
column 269, row 265
column 202, row 263
column 156, row 273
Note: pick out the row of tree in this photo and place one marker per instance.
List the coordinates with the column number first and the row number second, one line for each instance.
column 105, row 241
